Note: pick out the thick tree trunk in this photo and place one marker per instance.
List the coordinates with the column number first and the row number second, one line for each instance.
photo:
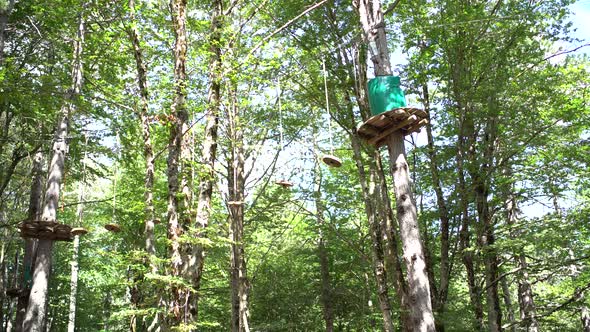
column 239, row 279
column 176, row 159
column 36, row 315
column 326, row 287
column 34, row 213
column 373, row 25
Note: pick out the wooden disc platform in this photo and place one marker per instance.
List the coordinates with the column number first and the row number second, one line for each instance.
column 378, row 127
column 284, row 183
column 331, row 160
column 46, row 230
column 115, row 228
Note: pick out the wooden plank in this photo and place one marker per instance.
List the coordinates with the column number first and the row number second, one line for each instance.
column 392, row 129
column 416, row 126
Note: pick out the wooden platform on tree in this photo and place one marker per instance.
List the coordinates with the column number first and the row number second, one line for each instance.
column 17, row 292
column 378, row 127
column 46, row 230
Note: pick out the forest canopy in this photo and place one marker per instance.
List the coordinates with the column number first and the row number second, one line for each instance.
column 327, row 165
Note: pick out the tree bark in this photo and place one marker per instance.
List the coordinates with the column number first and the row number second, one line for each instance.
column 4, row 13
column 326, row 287
column 148, row 153
column 177, row 216
column 373, row 25
column 36, row 315
column 76, row 249
column 34, row 213
column 208, row 151
column 239, row 279
column 440, row 298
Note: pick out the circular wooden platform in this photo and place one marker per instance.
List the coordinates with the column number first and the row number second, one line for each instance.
column 331, row 160
column 378, row 127
column 46, row 230
column 284, row 183
column 79, row 231
column 115, row 228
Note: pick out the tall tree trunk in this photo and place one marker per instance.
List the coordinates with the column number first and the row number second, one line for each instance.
column 373, row 25
column 208, row 151
column 508, row 302
column 525, row 292
column 239, row 279
column 74, row 263
column 479, row 172
column 177, row 161
column 326, row 286
column 36, row 315
column 34, row 213
column 5, row 10
column 148, row 153
column 440, row 298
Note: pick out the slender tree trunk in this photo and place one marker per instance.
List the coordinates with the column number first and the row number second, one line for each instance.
column 239, row 280
column 36, row 315
column 373, row 25
column 440, row 298
column 34, row 213
column 5, row 10
column 177, row 216
column 508, row 302
column 148, row 153
column 525, row 292
column 74, row 263
column 208, row 151
column 326, row 287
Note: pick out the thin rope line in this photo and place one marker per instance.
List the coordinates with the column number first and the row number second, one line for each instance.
column 328, row 105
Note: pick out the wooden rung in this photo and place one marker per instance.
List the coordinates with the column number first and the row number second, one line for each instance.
column 393, row 129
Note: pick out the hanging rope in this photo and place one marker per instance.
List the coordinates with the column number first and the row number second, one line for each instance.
column 82, row 195
column 115, row 171
column 280, row 115
column 328, row 106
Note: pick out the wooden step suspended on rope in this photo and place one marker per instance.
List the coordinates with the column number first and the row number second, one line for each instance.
column 331, row 160
column 284, row 183
column 378, row 127
column 79, row 231
column 45, row 230
column 115, row 228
